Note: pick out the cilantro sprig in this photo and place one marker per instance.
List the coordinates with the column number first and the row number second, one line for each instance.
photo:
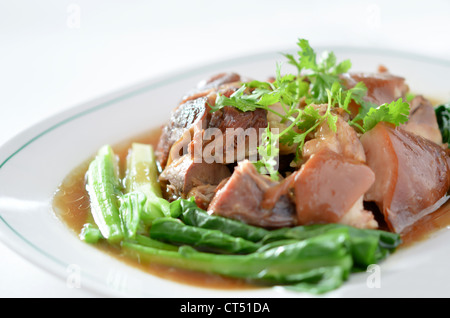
column 395, row 113
column 321, row 73
column 317, row 82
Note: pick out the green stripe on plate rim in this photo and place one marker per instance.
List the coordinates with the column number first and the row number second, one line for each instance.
column 187, row 74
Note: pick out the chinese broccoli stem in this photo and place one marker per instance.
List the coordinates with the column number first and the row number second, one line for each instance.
column 174, row 231
column 142, row 176
column 367, row 246
column 300, row 262
column 131, row 207
column 142, row 171
column 193, row 215
column 103, row 187
column 148, row 242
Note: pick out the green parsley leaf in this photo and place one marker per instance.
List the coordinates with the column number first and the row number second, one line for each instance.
column 238, row 100
column 343, row 67
column 268, row 152
column 395, row 113
column 309, row 118
column 331, row 121
column 307, row 56
column 328, row 60
column 291, row 60
column 317, row 82
column 322, row 74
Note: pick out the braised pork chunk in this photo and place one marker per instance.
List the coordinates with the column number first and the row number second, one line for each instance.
column 422, row 120
column 242, row 195
column 329, row 188
column 403, row 170
column 412, row 174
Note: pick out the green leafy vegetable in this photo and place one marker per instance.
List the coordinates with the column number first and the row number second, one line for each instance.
column 148, row 242
column 443, row 119
column 315, row 259
column 410, row 96
column 175, row 231
column 192, row 215
column 268, row 150
column 142, row 176
column 395, row 113
column 90, row 233
column 312, row 264
column 123, row 211
column 317, row 82
column 131, row 208
column 322, row 74
column 367, row 246
column 103, row 186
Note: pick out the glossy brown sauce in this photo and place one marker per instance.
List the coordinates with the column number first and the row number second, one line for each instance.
column 71, row 205
column 427, row 226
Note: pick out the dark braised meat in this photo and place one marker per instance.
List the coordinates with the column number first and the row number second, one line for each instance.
column 237, row 128
column 382, row 87
column 344, row 141
column 193, row 113
column 183, row 118
column 203, row 194
column 190, row 135
column 422, row 120
column 242, row 195
column 402, row 170
column 412, row 174
column 329, row 188
column 183, row 174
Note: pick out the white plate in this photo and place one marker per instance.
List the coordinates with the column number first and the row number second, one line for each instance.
column 34, row 163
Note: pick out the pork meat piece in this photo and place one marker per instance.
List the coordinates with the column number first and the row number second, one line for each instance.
column 219, row 83
column 240, row 132
column 242, row 195
column 183, row 174
column 412, row 174
column 422, row 120
column 382, row 87
column 203, row 194
column 219, row 80
column 329, row 188
column 344, row 141
column 183, row 118
column 193, row 112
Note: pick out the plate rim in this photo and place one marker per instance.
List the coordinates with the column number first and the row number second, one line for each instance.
column 24, row 138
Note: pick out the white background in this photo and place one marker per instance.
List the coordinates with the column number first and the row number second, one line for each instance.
column 56, row 54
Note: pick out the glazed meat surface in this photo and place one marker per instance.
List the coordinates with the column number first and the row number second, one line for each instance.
column 192, row 115
column 329, row 189
column 237, row 128
column 403, row 170
column 242, row 195
column 422, row 120
column 182, row 175
column 183, row 118
column 412, row 174
column 344, row 141
column 382, row 87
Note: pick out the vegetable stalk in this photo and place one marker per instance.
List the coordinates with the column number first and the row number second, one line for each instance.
column 302, row 262
column 103, row 188
column 142, row 177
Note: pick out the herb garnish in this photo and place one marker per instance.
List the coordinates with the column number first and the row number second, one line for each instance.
column 317, row 82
